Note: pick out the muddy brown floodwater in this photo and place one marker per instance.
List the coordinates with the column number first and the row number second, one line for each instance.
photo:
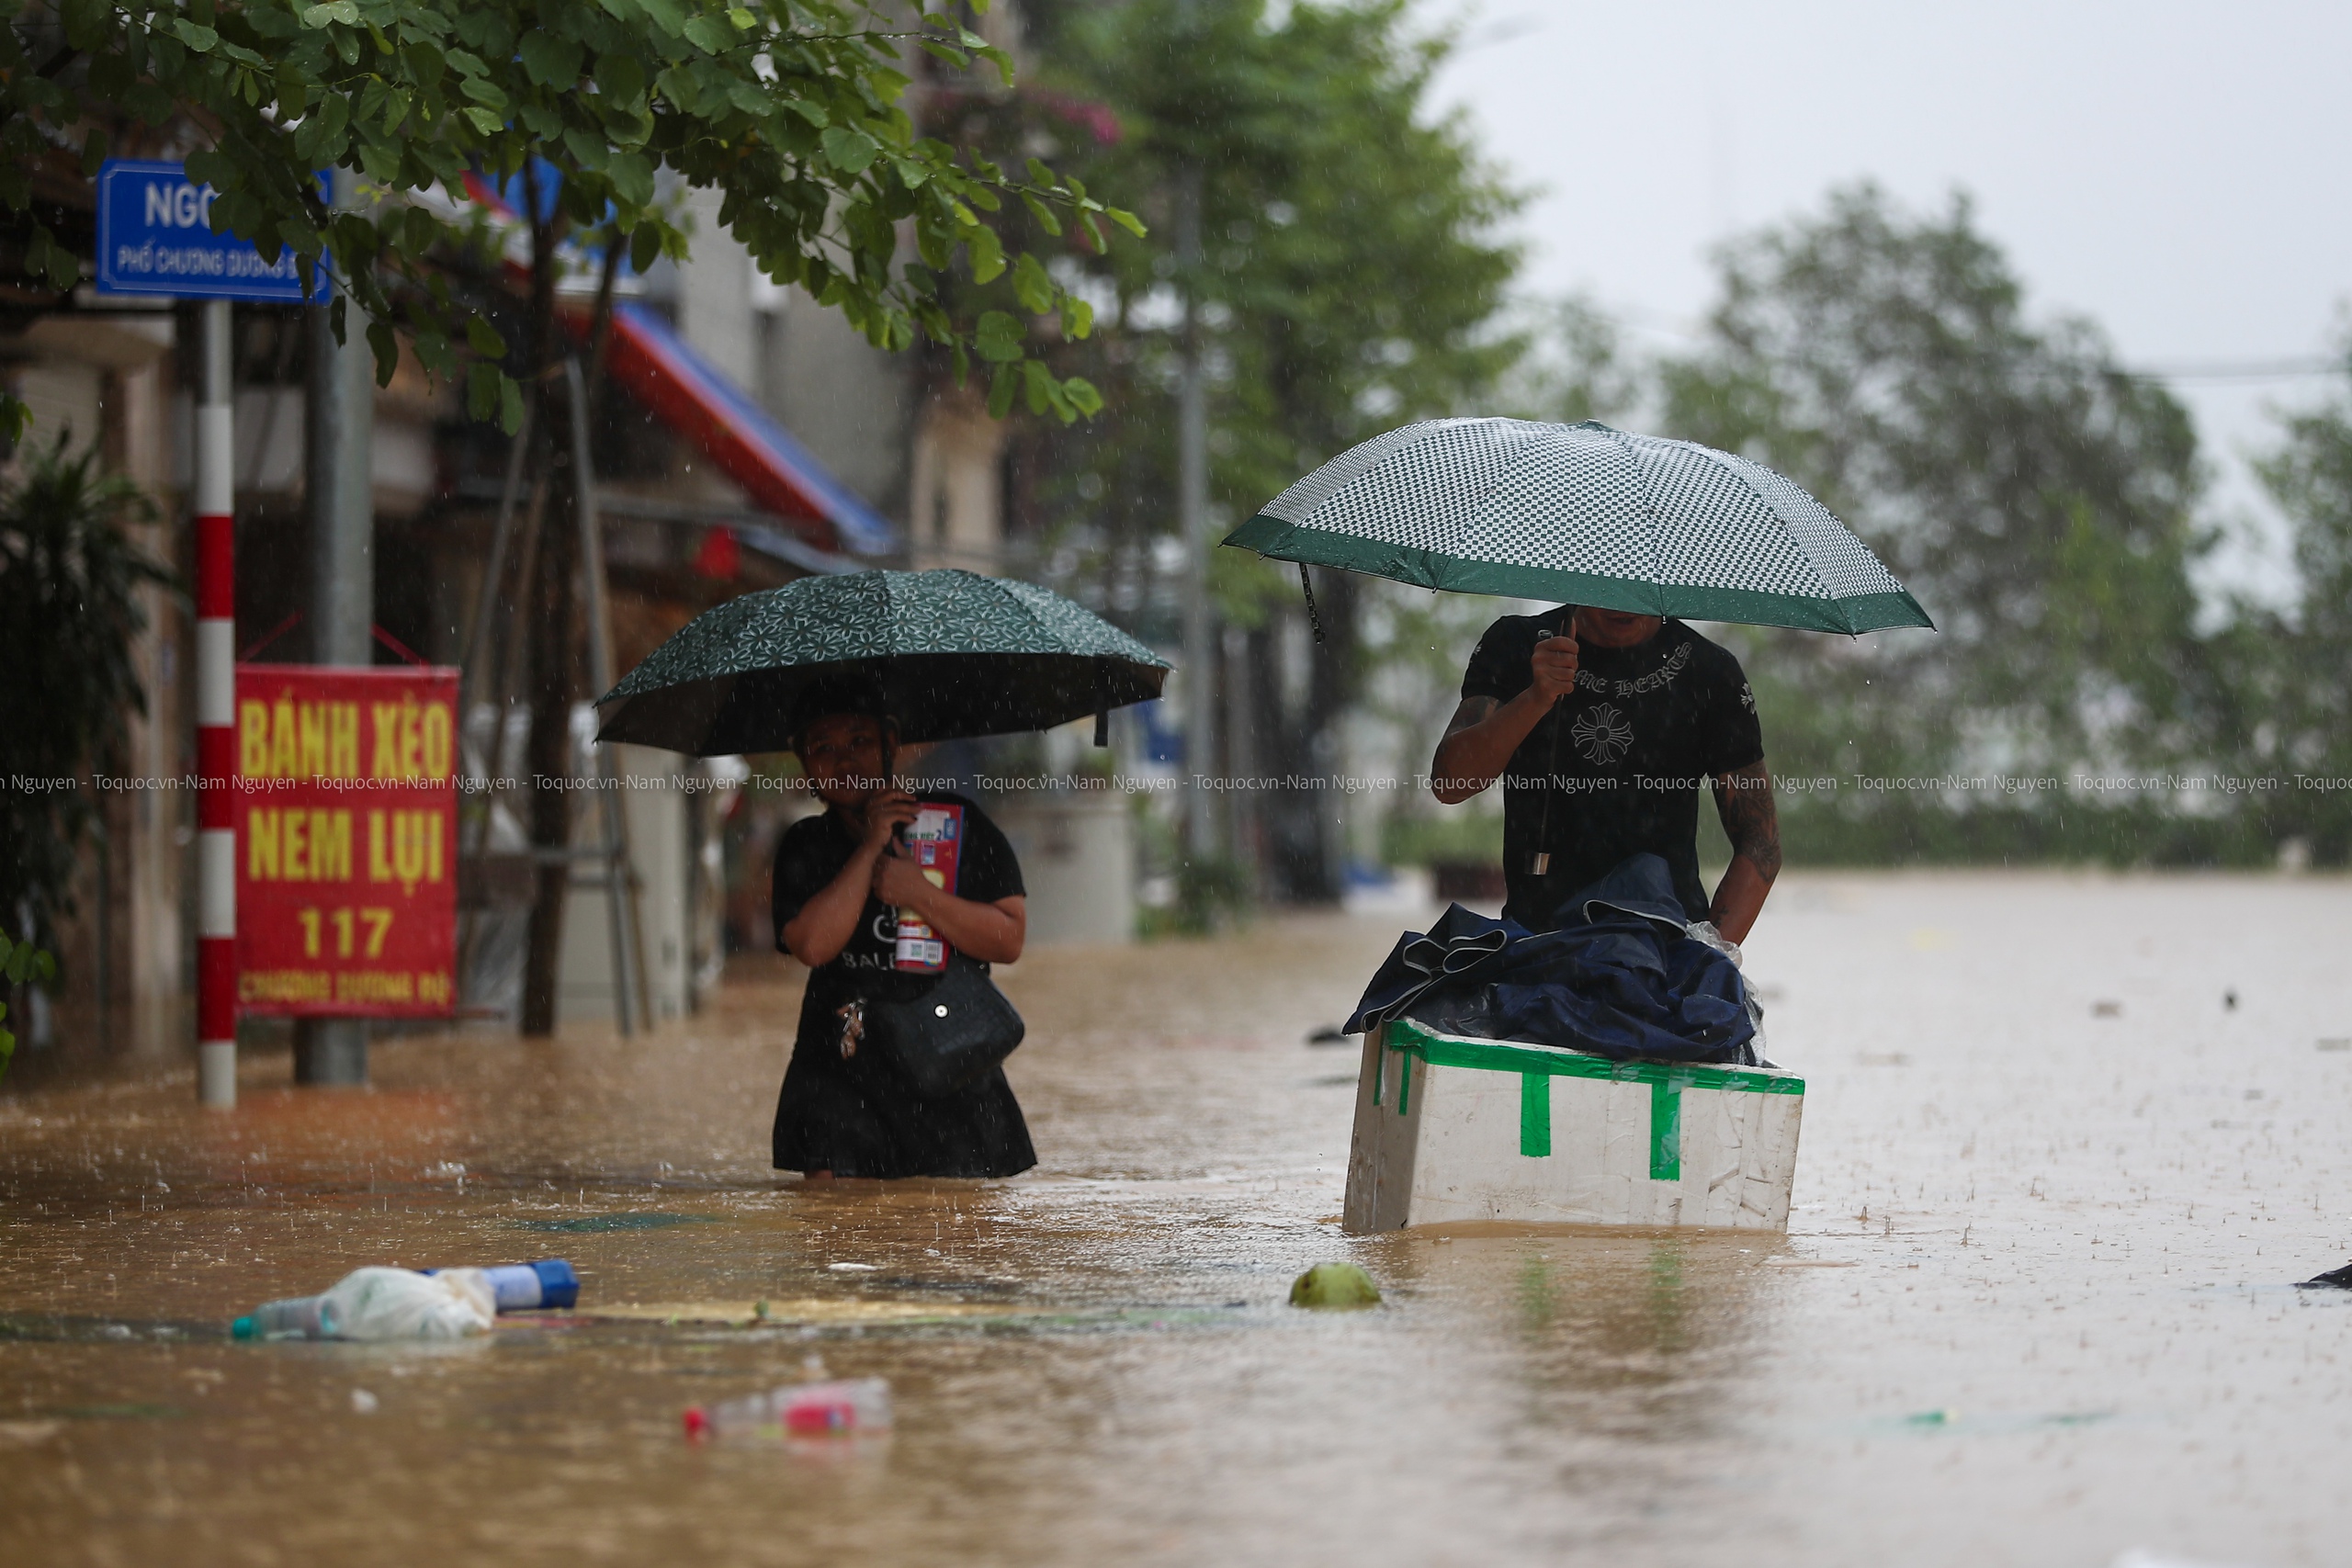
column 2034, row 1306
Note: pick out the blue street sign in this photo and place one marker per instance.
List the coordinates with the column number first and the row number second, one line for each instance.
column 156, row 237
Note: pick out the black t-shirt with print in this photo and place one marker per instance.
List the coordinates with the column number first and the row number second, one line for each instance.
column 813, row 851
column 1622, row 758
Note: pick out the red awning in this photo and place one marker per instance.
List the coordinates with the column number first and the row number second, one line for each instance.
column 696, row 398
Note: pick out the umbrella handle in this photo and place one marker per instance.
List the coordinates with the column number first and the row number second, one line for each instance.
column 1542, row 865
column 1542, row 861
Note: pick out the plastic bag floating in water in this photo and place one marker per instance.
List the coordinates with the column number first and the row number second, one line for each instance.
column 382, row 1304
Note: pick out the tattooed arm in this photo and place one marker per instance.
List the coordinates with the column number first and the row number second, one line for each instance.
column 1744, row 800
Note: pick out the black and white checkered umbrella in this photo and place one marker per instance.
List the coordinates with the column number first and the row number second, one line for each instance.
column 1584, row 515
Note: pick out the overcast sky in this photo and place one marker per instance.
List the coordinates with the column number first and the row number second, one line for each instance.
column 2178, row 172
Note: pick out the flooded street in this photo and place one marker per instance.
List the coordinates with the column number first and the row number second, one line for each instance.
column 2034, row 1307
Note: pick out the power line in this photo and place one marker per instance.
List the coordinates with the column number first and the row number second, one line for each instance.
column 1639, row 317
column 2240, row 370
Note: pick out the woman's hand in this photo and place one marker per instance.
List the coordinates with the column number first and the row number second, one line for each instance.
column 992, row 932
column 885, row 815
column 898, row 880
column 825, row 924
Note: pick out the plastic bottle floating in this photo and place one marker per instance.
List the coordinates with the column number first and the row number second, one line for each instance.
column 547, row 1285
column 816, row 1408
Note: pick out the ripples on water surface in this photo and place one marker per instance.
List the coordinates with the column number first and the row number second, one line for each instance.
column 2034, row 1307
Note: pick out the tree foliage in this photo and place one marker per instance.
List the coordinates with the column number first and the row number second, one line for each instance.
column 71, row 579
column 2297, row 668
column 20, row 963
column 1575, row 367
column 2037, row 498
column 1349, row 278
column 791, row 109
column 1350, row 274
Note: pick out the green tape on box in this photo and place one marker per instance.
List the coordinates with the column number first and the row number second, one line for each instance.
column 1408, row 1038
column 1666, row 1130
column 1535, row 1114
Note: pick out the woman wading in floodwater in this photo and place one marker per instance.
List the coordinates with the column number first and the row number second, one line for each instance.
column 847, row 1108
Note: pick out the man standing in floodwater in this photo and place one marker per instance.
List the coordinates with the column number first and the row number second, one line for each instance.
column 1601, row 724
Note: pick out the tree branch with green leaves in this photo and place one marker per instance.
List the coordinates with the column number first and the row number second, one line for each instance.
column 794, row 109
column 21, row 963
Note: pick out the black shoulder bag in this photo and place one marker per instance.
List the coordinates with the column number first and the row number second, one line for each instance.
column 955, row 1029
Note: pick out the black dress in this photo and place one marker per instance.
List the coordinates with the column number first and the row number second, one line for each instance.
column 855, row 1117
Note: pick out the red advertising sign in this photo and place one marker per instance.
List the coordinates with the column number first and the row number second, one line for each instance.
column 346, row 818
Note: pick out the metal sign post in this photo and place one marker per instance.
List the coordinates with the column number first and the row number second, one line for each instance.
column 216, row 716
column 155, row 238
column 340, row 427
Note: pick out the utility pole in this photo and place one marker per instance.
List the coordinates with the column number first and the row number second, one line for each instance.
column 1201, row 834
column 340, row 427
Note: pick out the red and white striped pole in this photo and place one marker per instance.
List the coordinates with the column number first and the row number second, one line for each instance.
column 216, row 718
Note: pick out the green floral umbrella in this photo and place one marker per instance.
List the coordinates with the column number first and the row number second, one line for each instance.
column 1584, row 515
column 954, row 654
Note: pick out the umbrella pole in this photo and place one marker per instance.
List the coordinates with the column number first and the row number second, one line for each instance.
column 1542, row 861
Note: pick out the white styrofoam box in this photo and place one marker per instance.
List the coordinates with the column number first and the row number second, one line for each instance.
column 1452, row 1130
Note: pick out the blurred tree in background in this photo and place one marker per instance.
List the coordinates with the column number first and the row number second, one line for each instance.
column 1350, row 279
column 2035, row 496
column 2040, row 499
column 71, row 579
column 2296, row 670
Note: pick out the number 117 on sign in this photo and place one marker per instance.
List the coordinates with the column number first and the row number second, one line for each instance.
column 343, row 927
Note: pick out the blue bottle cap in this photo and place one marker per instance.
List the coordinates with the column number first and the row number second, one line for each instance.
column 241, row 1329
column 558, row 1286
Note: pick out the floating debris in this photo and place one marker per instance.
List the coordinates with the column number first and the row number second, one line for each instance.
column 1340, row 1285
column 632, row 1221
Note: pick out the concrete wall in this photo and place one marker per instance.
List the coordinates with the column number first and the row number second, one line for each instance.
column 956, row 514
column 270, row 426
column 715, row 312
column 850, row 404
column 660, row 844
column 1077, row 854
